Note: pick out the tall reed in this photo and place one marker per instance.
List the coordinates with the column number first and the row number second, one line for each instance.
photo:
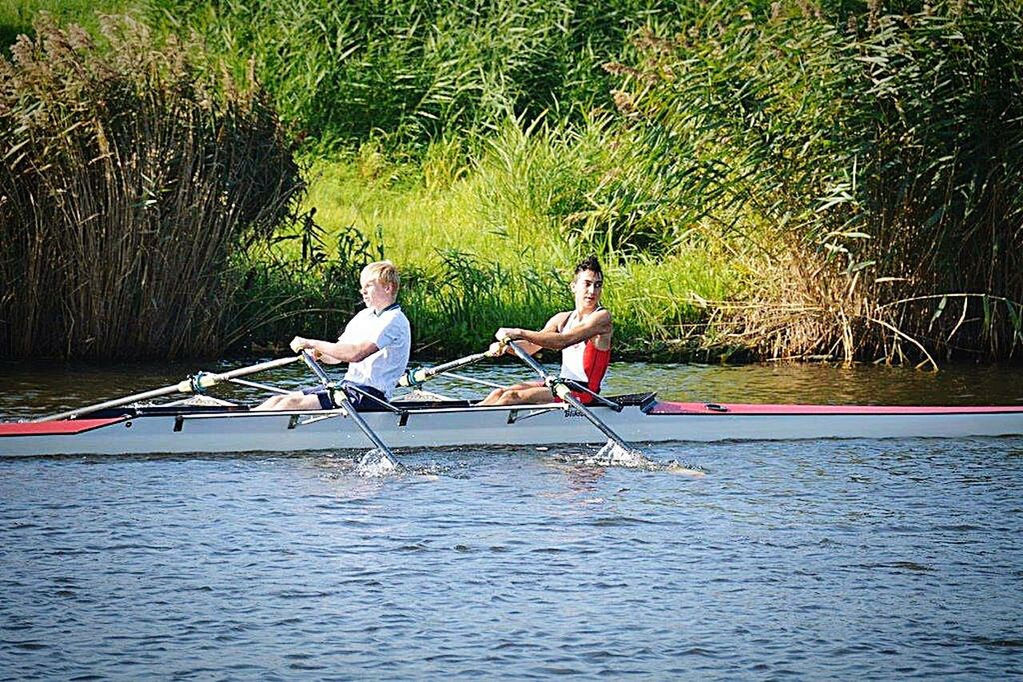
column 875, row 163
column 806, row 179
column 127, row 181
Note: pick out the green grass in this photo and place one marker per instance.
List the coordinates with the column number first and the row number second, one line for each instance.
column 467, row 276
column 390, row 203
column 809, row 164
column 16, row 16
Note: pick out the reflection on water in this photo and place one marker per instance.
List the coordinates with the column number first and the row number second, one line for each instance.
column 47, row 388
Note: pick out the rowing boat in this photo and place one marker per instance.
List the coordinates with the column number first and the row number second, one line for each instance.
column 185, row 427
column 135, row 425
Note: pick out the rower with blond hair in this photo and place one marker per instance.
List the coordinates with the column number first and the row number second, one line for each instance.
column 376, row 344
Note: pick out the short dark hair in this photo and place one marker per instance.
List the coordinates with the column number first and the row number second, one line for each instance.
column 589, row 263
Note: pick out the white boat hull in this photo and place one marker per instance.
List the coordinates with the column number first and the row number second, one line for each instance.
column 187, row 430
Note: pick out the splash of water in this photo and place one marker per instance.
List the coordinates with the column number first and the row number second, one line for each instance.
column 377, row 463
column 614, row 454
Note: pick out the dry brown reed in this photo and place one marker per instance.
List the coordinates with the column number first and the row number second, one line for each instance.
column 879, row 158
column 127, row 184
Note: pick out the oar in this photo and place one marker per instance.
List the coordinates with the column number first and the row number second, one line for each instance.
column 194, row 384
column 561, row 390
column 341, row 398
column 415, row 377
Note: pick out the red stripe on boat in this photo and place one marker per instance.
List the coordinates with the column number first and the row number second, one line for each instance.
column 668, row 407
column 69, row 426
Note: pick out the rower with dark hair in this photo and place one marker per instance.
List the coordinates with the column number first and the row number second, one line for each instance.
column 583, row 336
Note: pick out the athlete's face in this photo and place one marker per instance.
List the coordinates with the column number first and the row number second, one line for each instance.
column 375, row 294
column 587, row 287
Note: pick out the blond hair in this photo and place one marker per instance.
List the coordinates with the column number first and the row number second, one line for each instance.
column 384, row 272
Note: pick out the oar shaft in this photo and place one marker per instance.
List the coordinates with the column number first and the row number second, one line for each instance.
column 420, row 375
column 251, row 369
column 147, row 395
column 344, row 402
column 188, row 386
column 315, row 367
column 341, row 399
column 455, row 364
column 565, row 393
column 529, row 360
column 567, row 396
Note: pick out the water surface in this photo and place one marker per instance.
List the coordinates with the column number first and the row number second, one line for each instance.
column 824, row 559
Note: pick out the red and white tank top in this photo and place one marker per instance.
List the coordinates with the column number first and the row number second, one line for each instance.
column 583, row 361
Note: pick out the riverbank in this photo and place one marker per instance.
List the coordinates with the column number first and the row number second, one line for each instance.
column 469, row 267
column 761, row 181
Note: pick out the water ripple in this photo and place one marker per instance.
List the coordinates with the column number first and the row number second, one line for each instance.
column 814, row 560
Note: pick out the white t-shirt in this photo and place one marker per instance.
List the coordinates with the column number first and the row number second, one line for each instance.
column 392, row 334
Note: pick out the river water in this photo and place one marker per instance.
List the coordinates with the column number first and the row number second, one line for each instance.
column 825, row 559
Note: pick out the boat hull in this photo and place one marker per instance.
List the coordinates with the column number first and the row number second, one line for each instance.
column 188, row 430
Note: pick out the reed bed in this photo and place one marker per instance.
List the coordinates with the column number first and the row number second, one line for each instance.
column 17, row 17
column 128, row 183
column 875, row 163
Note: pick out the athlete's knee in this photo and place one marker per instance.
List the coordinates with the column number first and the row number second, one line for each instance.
column 509, row 396
column 492, row 397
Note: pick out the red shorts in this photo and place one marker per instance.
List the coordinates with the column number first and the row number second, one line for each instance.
column 584, row 398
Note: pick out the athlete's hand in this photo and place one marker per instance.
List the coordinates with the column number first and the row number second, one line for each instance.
column 506, row 334
column 497, row 349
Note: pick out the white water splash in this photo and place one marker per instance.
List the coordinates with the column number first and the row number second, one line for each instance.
column 613, row 454
column 376, row 463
